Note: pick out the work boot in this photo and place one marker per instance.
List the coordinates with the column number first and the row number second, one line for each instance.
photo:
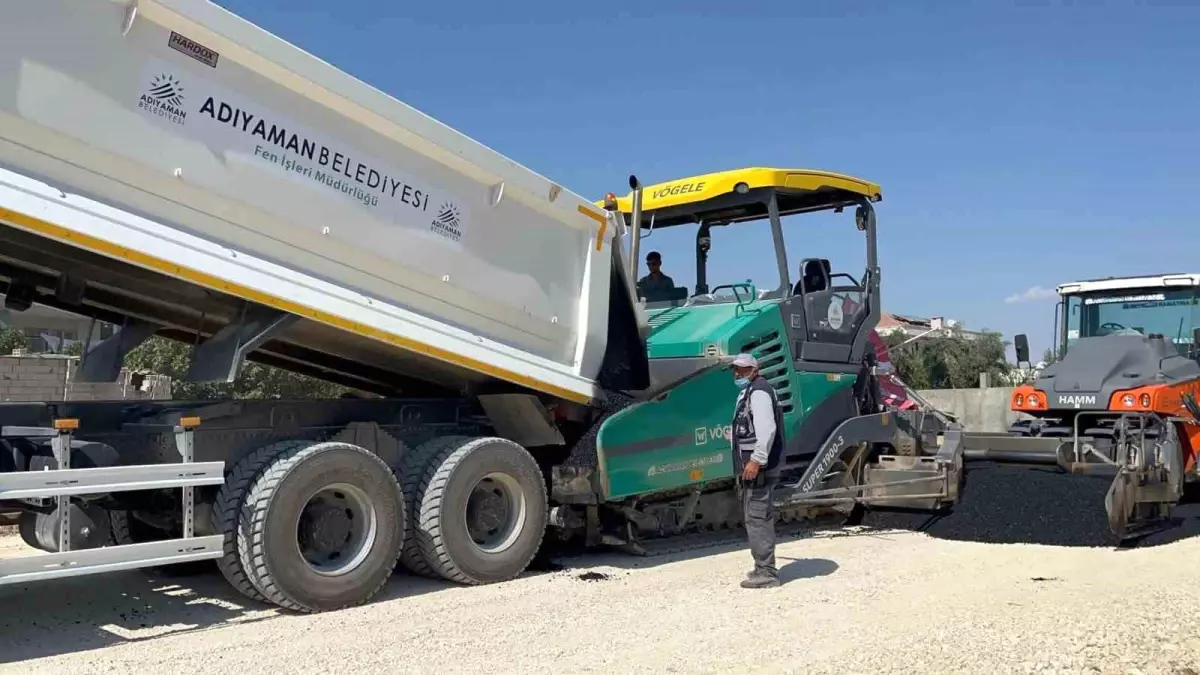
column 760, row 580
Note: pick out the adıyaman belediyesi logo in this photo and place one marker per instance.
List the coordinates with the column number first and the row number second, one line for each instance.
column 163, row 97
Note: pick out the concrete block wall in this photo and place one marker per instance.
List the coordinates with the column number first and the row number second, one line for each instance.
column 977, row 409
column 50, row 377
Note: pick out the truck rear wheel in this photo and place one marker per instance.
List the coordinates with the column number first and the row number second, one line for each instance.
column 410, row 472
column 228, row 505
column 321, row 527
column 482, row 511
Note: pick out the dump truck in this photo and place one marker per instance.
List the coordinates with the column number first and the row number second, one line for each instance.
column 1120, row 399
column 173, row 170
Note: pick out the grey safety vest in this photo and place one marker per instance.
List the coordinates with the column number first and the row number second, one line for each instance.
column 744, row 438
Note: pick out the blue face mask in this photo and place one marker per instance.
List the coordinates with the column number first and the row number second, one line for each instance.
column 742, row 382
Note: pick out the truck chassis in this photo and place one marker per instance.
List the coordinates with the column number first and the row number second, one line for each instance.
column 159, row 483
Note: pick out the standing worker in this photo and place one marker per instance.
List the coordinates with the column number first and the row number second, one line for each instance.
column 758, row 449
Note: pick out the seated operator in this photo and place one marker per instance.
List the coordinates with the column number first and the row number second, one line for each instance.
column 655, row 282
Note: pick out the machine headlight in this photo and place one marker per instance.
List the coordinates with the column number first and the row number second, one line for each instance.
column 1145, row 400
column 1127, row 400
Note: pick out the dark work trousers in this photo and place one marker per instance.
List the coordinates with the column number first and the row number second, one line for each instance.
column 760, row 517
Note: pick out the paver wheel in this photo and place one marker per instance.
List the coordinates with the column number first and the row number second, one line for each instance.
column 482, row 511
column 321, row 527
column 410, row 472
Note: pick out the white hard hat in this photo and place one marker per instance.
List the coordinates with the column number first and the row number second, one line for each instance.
column 744, row 361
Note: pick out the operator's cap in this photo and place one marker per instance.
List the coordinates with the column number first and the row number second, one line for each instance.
column 744, row 361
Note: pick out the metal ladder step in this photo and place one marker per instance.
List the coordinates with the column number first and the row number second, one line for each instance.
column 66, row 482
column 108, row 559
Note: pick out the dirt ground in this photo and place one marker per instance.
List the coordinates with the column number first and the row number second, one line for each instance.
column 852, row 602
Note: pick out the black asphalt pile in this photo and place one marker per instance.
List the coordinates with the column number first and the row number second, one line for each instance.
column 1005, row 505
column 583, row 453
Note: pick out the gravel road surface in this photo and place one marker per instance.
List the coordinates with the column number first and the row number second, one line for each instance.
column 869, row 601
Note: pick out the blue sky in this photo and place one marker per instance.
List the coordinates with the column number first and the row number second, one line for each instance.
column 1019, row 144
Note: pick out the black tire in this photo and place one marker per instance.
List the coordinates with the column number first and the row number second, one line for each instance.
column 275, row 502
column 410, row 472
column 441, row 530
column 228, row 505
column 126, row 529
column 27, row 527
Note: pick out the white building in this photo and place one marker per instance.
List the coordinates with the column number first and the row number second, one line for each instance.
column 912, row 326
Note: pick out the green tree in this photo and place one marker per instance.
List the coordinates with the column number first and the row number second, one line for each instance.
column 951, row 362
column 10, row 339
column 162, row 356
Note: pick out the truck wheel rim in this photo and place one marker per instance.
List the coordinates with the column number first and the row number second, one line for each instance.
column 336, row 529
column 495, row 512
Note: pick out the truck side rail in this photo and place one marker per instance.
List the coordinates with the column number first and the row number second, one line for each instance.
column 64, row 482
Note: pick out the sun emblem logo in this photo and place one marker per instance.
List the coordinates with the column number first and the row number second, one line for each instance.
column 447, row 216
column 166, row 89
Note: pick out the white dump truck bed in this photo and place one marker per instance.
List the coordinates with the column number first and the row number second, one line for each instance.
column 160, row 147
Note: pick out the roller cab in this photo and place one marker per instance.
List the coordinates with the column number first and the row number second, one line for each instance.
column 1120, row 398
